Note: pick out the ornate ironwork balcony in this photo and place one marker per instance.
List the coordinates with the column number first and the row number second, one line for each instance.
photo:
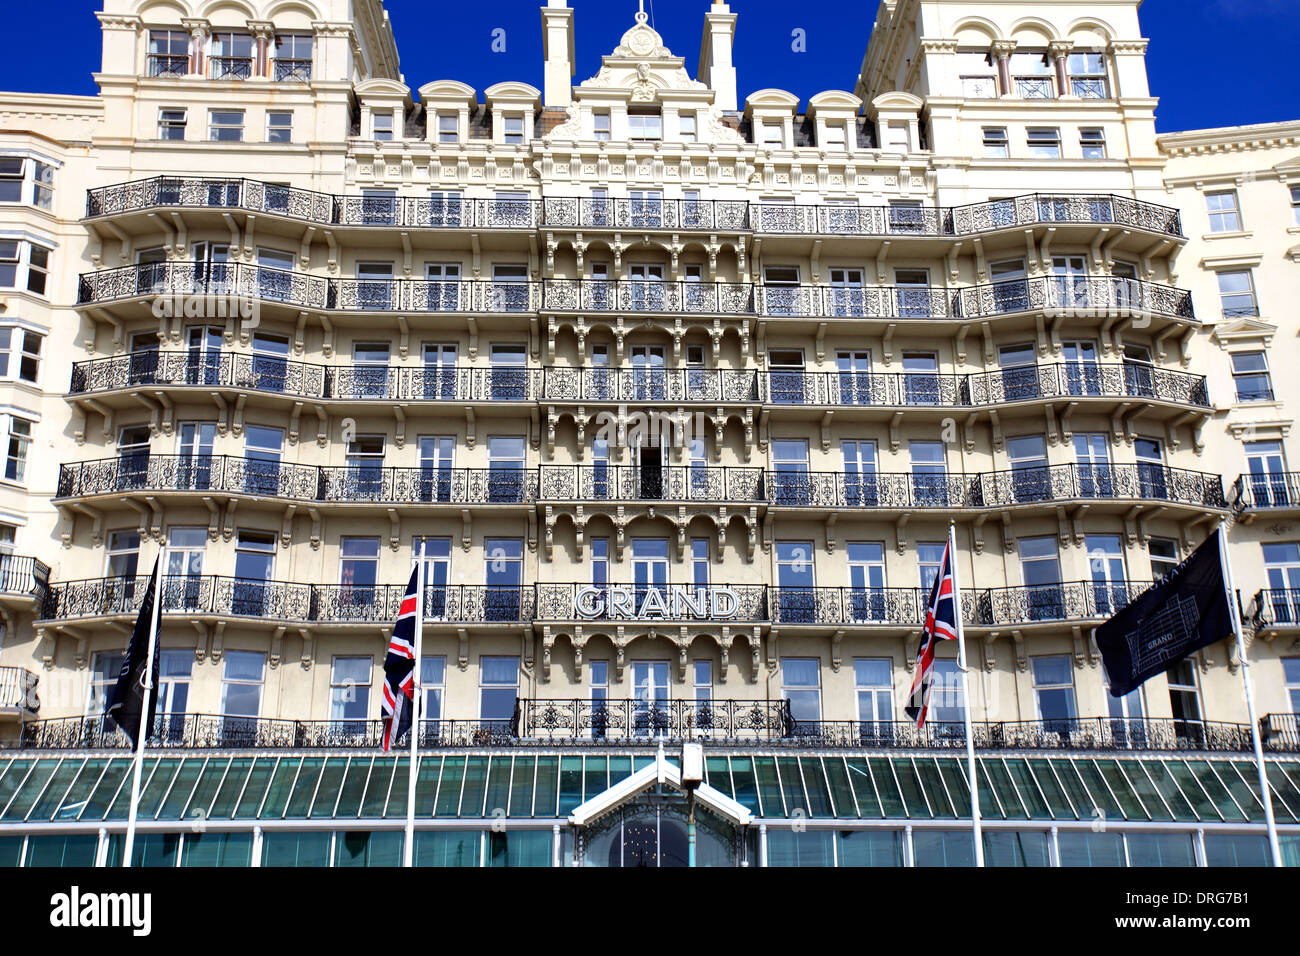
column 1069, row 601
column 23, row 577
column 161, row 64
column 1035, row 87
column 273, row 374
column 1258, row 492
column 1274, row 607
column 440, row 213
column 848, row 220
column 1281, row 732
column 802, row 489
column 633, row 721
column 854, row 302
column 1028, row 383
column 676, row 214
column 805, row 605
column 636, row 483
column 1067, row 295
column 624, row 602
column 206, row 732
column 18, row 691
column 226, row 281
column 635, row 295
column 286, row 69
column 1037, row 208
column 1085, row 380
column 650, row 385
column 271, row 479
column 287, row 601
column 230, row 67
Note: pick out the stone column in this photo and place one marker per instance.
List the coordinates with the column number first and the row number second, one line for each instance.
column 1003, row 49
column 1059, row 50
column 200, row 30
column 264, row 34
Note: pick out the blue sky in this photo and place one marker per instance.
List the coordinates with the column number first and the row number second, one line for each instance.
column 1254, row 40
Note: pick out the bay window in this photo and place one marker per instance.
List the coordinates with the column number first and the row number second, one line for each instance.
column 20, row 354
column 28, row 181
column 23, row 265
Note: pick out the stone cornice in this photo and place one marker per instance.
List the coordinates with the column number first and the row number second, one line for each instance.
column 119, row 21
column 1231, row 139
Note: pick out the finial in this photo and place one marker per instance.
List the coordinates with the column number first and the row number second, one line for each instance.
column 641, row 14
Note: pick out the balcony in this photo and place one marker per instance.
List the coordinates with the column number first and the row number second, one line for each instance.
column 230, row 67
column 1277, row 607
column 674, row 385
column 854, row 302
column 628, row 602
column 18, row 693
column 1028, row 486
column 1083, row 295
column 633, row 295
column 280, row 601
column 285, row 70
column 22, row 579
column 648, row 214
column 1028, row 383
column 632, row 214
column 657, row 484
column 278, row 376
column 258, row 478
column 1266, row 492
column 641, row 723
column 160, row 64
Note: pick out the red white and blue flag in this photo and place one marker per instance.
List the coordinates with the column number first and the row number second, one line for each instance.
column 940, row 625
column 399, row 667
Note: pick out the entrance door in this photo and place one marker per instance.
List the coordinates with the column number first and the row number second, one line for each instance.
column 194, row 469
column 860, row 487
column 646, row 288
column 1069, row 282
column 648, row 375
column 1092, row 465
column 650, row 714
column 854, row 377
column 437, row 457
column 439, row 372
column 1082, row 376
column 203, row 358
column 847, row 298
column 650, row 465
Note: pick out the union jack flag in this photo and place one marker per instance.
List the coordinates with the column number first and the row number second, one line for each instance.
column 940, row 624
column 399, row 667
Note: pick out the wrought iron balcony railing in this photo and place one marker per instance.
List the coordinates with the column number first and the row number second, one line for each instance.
column 625, row 602
column 161, row 64
column 286, row 69
column 802, row 489
column 1028, row 383
column 1069, row 601
column 18, row 690
column 650, row 385
column 577, row 213
column 647, row 723
column 636, row 295
column 1278, row 607
column 1258, row 492
column 23, row 575
column 244, row 281
column 271, row 373
column 574, row 212
column 639, row 483
column 286, row 601
column 226, row 474
column 230, row 67
column 1075, row 294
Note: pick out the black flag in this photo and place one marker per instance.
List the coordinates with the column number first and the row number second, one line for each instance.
column 127, row 699
column 1186, row 611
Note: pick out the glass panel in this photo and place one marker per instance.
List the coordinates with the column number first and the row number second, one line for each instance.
column 521, row 787
column 810, row 848
column 596, row 776
column 1215, row 788
column 75, row 799
column 935, row 788
column 108, row 786
column 570, row 784
column 547, row 788
column 154, row 791
column 1123, row 791
column 819, row 797
column 1146, row 790
column 295, row 849
column 359, row 848
column 498, row 787
column 449, row 786
column 327, row 793
column 354, row 786
column 151, row 849
column 1160, row 849
column 11, row 849
column 869, row 847
column 258, row 781
column 837, row 777
column 304, row 787
column 792, row 786
column 62, row 851
column 277, row 794
column 769, row 787
column 31, row 789
column 183, row 784
column 471, row 800
column 882, row 775
column 911, row 787
column 376, row 798
column 1084, row 848
column 426, row 786
column 1168, row 788
column 1237, row 849
column 943, row 848
column 1029, row 795
column 746, row 787
column 954, row 775
column 395, row 804
column 223, row 806
column 447, row 848
column 217, row 849
column 1091, row 776
column 514, row 848
column 1016, row 848
column 13, row 778
column 1047, row 782
column 1187, row 785
column 1006, row 790
column 201, row 799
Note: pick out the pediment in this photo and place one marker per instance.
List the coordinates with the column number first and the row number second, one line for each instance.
column 383, row 87
column 642, row 64
column 446, row 90
column 659, row 773
column 834, row 100
column 1244, row 329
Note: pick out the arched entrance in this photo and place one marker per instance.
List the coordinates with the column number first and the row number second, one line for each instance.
column 652, row 832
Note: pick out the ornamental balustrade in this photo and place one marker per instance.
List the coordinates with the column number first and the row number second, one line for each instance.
column 23, row 575
column 603, row 482
column 1278, row 606
column 356, row 603
column 455, row 212
column 18, row 689
column 603, row 384
column 236, row 282
column 1263, row 490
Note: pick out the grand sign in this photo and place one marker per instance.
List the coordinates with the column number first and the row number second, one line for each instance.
column 650, row 603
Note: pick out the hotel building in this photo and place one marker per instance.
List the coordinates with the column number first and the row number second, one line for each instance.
column 676, row 394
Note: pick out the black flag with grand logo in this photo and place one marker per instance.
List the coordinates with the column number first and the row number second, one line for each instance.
column 127, row 699
column 1183, row 613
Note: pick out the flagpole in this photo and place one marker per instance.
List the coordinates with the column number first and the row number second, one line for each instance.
column 408, row 849
column 1266, row 795
column 976, row 823
column 143, row 732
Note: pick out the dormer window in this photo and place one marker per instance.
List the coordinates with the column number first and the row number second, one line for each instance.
column 835, row 136
column 688, row 130
column 232, row 56
column 513, row 134
column 645, row 127
column 448, row 128
column 382, row 126
column 773, row 135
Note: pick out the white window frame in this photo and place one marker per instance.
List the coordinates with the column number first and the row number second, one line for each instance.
column 272, row 128
column 171, row 122
column 1092, row 138
column 445, row 134
column 996, row 143
column 35, row 179
column 24, row 270
column 214, row 126
column 510, row 135
column 1224, row 218
column 379, row 133
column 14, row 350
column 19, row 434
column 1041, row 138
column 640, row 129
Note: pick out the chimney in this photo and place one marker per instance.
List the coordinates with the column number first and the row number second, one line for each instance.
column 557, row 48
column 716, row 69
